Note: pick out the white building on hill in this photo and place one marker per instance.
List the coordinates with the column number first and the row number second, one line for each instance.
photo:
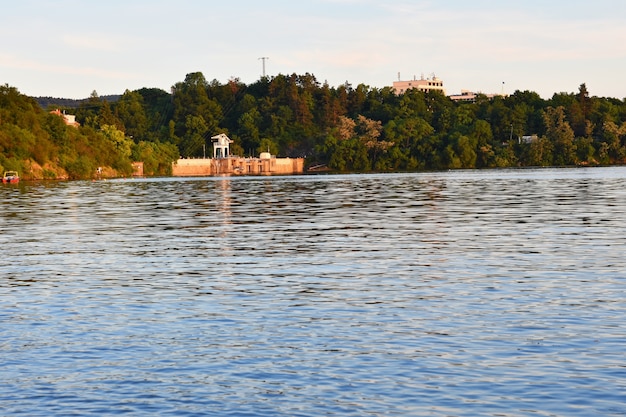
column 423, row 84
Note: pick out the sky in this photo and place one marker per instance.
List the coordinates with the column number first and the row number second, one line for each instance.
column 69, row 49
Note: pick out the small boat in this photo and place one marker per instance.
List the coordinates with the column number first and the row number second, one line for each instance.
column 10, row 177
column 318, row 168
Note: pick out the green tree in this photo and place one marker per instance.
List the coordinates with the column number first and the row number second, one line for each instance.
column 122, row 146
column 192, row 103
column 408, row 131
column 249, row 128
column 582, row 125
column 369, row 132
column 196, row 130
column 541, row 152
column 559, row 132
column 268, row 145
column 156, row 157
column 159, row 109
column 88, row 112
column 613, row 136
column 130, row 111
column 107, row 117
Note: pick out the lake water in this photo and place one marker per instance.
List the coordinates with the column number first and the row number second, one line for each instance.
column 465, row 293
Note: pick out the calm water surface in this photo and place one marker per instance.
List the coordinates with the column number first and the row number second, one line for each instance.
column 467, row 293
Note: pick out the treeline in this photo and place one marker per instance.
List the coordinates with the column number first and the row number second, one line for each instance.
column 69, row 103
column 361, row 128
column 39, row 144
column 345, row 128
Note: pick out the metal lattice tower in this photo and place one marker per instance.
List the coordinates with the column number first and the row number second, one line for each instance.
column 263, row 58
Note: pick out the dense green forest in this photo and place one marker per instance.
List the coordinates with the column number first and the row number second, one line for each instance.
column 345, row 128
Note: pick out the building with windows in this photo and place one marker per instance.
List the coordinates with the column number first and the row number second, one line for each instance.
column 221, row 146
column 470, row 96
column 465, row 95
column 436, row 84
column 423, row 84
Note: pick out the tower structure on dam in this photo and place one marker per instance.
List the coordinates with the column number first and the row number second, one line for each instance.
column 221, row 146
column 225, row 163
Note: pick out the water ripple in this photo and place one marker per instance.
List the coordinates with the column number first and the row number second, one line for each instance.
column 460, row 293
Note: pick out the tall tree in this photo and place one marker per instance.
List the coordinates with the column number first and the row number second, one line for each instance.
column 559, row 132
column 194, row 112
column 130, row 111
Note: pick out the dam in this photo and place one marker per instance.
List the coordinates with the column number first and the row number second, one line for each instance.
column 237, row 166
column 223, row 163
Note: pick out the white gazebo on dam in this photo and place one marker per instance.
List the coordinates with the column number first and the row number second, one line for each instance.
column 221, row 146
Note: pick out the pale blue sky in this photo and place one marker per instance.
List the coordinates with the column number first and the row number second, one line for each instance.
column 68, row 48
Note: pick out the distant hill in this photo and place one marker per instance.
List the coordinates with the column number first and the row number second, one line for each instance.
column 48, row 102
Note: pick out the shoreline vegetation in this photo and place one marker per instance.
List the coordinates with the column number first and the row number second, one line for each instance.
column 344, row 128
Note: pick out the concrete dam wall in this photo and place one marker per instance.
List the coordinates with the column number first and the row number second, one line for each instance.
column 237, row 166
